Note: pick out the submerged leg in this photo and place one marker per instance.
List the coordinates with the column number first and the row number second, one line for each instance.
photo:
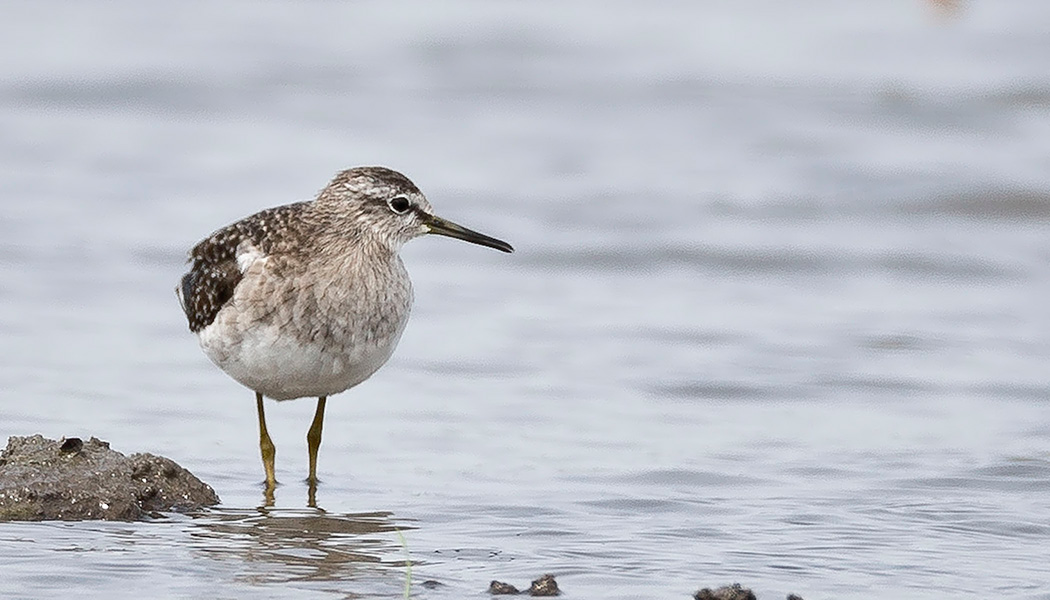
column 266, row 446
column 313, row 439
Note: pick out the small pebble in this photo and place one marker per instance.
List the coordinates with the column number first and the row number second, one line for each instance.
column 71, row 445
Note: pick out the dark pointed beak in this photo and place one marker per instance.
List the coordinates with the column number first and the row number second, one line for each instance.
column 448, row 228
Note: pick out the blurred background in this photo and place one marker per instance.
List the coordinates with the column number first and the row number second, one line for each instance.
column 777, row 312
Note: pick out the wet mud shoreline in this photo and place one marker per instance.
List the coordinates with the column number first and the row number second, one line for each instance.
column 72, row 479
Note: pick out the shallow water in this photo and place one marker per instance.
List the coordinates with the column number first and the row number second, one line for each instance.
column 777, row 313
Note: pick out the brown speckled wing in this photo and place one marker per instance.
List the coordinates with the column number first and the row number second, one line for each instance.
column 214, row 273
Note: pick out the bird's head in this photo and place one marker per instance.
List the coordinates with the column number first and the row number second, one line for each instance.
column 387, row 206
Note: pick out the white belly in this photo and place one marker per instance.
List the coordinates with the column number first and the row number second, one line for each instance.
column 315, row 335
column 281, row 367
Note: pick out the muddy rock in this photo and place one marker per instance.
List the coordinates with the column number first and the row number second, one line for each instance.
column 75, row 480
column 728, row 592
column 544, row 586
column 499, row 588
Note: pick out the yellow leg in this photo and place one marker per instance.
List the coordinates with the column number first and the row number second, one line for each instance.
column 313, row 439
column 266, row 446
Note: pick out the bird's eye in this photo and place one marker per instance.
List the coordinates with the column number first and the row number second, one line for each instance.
column 399, row 204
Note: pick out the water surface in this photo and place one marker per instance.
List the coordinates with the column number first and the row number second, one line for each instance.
column 776, row 315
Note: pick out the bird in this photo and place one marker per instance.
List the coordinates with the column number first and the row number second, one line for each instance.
column 310, row 299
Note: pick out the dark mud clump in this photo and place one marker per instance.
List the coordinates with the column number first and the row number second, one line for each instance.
column 727, row 592
column 76, row 480
column 499, row 588
column 731, row 592
column 544, row 586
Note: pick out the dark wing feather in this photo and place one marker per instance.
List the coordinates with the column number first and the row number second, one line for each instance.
column 214, row 273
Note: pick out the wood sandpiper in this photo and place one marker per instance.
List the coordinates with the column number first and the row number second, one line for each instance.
column 309, row 299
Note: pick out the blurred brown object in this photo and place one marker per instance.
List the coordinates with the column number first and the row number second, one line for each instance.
column 947, row 8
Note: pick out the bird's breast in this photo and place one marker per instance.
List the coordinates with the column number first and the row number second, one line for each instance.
column 317, row 331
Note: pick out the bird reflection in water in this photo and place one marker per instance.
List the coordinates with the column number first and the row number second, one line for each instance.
column 276, row 545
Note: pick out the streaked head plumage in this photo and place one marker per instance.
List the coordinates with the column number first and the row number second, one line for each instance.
column 378, row 201
column 387, row 207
